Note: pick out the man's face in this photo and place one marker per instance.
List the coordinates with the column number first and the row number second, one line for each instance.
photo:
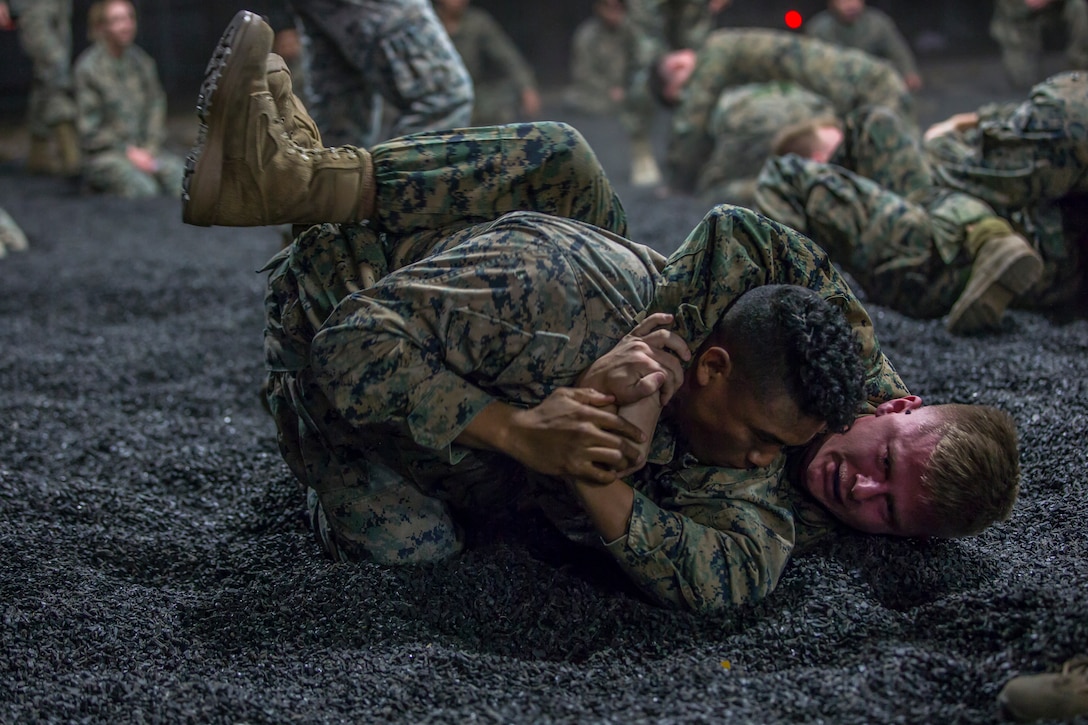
column 611, row 12
column 870, row 477
column 727, row 425
column 847, row 11
column 119, row 25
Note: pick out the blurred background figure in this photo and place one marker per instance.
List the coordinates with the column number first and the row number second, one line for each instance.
column 1021, row 26
column 45, row 33
column 851, row 24
column 661, row 26
column 502, row 80
column 122, row 110
column 358, row 54
column 599, row 60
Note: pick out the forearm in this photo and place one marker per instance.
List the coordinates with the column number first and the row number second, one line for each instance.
column 608, row 506
column 490, row 429
column 710, row 561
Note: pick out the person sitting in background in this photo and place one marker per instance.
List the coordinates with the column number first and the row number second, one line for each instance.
column 599, row 58
column 503, row 81
column 45, row 33
column 1021, row 26
column 122, row 110
column 851, row 24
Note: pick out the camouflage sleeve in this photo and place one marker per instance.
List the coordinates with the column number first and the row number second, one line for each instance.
column 721, row 540
column 733, row 250
column 516, row 310
column 690, row 142
column 95, row 133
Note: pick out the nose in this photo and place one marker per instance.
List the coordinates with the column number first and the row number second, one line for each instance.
column 762, row 456
column 866, row 488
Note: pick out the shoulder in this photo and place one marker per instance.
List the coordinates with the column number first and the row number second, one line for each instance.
column 821, row 22
column 877, row 18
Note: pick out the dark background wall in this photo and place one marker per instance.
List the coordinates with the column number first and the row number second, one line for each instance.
column 180, row 34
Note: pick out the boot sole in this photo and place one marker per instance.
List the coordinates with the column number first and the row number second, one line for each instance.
column 971, row 313
column 204, row 164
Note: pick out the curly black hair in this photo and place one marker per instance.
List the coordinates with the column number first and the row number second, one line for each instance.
column 786, row 337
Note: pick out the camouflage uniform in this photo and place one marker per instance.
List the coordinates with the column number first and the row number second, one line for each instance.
column 45, row 32
column 1020, row 31
column 499, row 71
column 122, row 104
column 659, row 26
column 873, row 32
column 848, row 79
column 600, row 57
column 897, row 219
column 370, row 387
column 743, row 125
column 671, row 24
column 357, row 52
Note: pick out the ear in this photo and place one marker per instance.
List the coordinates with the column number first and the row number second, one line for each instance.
column 899, row 405
column 714, row 362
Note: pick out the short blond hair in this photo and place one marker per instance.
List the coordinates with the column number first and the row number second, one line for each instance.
column 802, row 138
column 973, row 476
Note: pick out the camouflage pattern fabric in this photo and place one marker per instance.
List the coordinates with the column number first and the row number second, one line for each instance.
column 891, row 220
column 1018, row 156
column 848, row 79
column 659, row 26
column 743, row 126
column 671, row 24
column 45, row 33
column 1028, row 162
column 121, row 104
column 883, row 240
column 499, row 71
column 881, row 145
column 357, row 52
column 1020, row 31
column 384, row 378
column 599, row 61
column 873, row 32
column 437, row 182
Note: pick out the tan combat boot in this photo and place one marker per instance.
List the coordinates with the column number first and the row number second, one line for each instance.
column 644, row 169
column 67, row 147
column 1005, row 267
column 1053, row 696
column 12, row 238
column 244, row 169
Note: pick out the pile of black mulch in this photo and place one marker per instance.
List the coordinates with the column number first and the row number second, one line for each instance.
column 155, row 566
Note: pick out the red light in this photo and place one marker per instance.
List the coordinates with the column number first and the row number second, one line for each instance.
column 793, row 20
